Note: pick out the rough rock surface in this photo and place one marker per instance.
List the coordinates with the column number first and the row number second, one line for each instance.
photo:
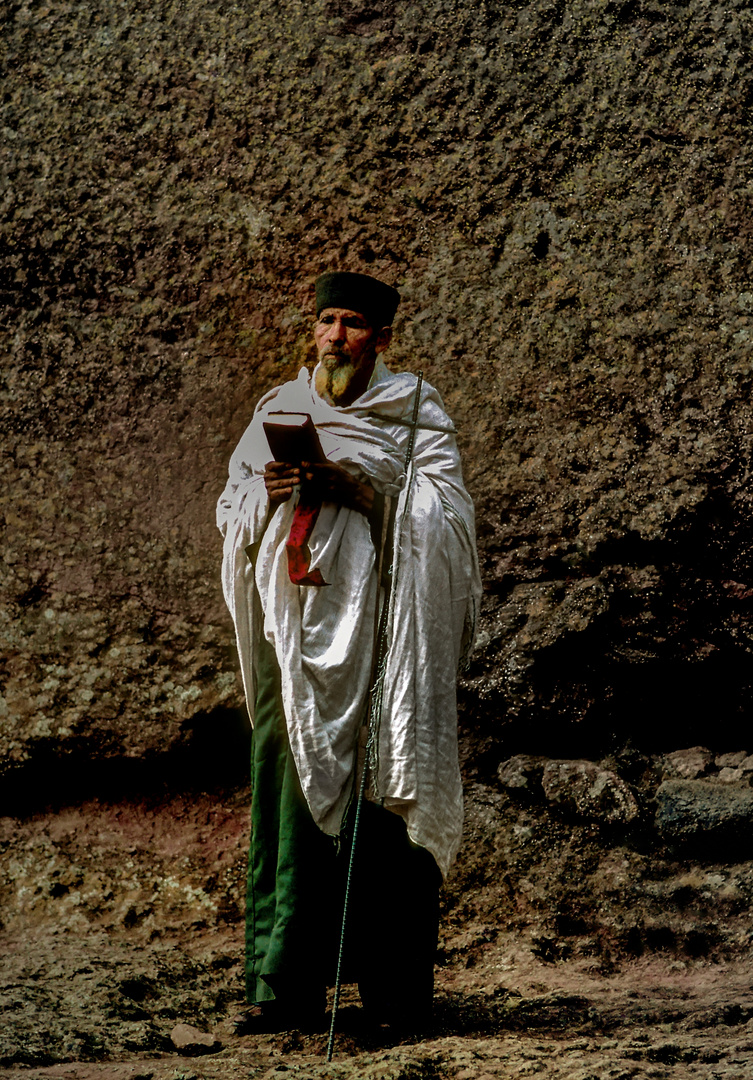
column 584, row 789
column 688, row 764
column 697, row 809
column 561, row 193
column 521, row 773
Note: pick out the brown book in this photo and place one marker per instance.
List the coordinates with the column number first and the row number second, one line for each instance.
column 292, row 438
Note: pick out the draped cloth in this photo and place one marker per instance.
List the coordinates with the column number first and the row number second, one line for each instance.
column 323, row 637
column 296, row 888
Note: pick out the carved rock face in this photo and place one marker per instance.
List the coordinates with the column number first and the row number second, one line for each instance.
column 572, row 246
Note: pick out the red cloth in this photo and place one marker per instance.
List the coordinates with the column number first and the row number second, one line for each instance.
column 297, row 546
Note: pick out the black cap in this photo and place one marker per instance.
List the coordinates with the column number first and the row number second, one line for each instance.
column 373, row 299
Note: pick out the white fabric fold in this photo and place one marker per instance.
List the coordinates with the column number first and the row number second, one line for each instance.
column 323, row 636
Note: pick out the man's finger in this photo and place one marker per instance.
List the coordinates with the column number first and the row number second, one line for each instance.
column 288, row 475
column 280, row 467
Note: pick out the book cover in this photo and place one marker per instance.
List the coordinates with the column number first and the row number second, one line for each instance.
column 293, row 438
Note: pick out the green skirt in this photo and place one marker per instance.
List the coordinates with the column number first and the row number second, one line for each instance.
column 296, row 886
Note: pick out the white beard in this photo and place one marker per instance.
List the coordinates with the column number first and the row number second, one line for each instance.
column 334, row 377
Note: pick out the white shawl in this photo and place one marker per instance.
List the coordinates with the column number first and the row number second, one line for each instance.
column 323, row 636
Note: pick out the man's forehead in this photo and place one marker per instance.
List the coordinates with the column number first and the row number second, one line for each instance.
column 343, row 313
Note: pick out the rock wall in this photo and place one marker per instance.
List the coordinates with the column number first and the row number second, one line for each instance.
column 561, row 192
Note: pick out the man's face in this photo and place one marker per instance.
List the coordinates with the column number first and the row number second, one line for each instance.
column 344, row 336
column 347, row 345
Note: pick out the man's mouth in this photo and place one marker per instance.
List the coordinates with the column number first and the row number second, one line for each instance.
column 336, row 356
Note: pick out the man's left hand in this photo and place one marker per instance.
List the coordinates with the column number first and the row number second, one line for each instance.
column 332, row 483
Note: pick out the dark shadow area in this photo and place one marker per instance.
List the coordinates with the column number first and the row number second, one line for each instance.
column 505, row 1010
column 591, row 705
column 213, row 755
column 661, row 659
column 471, row 1014
column 659, row 705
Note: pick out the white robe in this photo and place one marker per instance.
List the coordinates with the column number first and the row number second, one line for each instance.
column 323, row 636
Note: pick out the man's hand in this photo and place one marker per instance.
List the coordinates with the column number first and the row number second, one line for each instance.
column 332, row 483
column 279, row 480
column 324, row 483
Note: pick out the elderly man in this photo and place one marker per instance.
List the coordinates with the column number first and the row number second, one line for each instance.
column 378, row 531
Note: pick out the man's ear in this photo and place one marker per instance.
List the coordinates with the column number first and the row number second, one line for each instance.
column 383, row 338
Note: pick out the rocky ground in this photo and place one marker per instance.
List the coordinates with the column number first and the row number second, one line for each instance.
column 577, row 941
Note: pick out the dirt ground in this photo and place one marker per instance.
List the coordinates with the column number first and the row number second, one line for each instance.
column 123, row 920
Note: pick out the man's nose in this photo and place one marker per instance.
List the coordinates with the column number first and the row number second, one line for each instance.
column 337, row 331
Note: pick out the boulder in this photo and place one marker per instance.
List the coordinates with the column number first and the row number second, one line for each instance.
column 689, row 810
column 689, row 763
column 521, row 773
column 730, row 775
column 732, row 760
column 587, row 790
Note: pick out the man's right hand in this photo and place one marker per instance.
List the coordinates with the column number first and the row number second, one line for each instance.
column 279, row 480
